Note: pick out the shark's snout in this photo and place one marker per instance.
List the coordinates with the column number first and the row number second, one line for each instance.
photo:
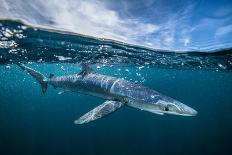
column 182, row 109
column 175, row 107
column 188, row 111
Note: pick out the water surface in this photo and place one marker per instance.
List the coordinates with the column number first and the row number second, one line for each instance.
column 36, row 123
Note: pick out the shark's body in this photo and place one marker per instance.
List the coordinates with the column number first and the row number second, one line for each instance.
column 117, row 92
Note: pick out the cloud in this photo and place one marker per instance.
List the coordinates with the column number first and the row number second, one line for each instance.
column 186, row 41
column 223, row 12
column 161, row 26
column 85, row 17
column 175, row 33
column 223, row 30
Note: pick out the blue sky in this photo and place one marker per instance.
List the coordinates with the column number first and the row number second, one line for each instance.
column 163, row 24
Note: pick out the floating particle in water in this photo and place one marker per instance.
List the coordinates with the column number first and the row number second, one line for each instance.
column 147, row 63
column 104, row 61
column 100, row 48
column 152, row 96
column 142, row 80
column 40, row 60
column 7, row 44
column 20, row 36
column 23, row 27
column 13, row 51
column 98, row 67
column 62, row 67
column 127, row 70
column 8, row 67
column 23, row 51
column 7, row 33
column 62, row 43
column 222, row 66
column 60, row 92
column 141, row 67
column 62, row 58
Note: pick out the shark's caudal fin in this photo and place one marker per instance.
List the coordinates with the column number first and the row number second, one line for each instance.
column 100, row 111
column 37, row 75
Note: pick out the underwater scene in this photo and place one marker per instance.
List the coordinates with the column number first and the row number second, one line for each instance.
column 65, row 92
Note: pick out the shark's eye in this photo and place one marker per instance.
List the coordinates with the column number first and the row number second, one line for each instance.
column 166, row 108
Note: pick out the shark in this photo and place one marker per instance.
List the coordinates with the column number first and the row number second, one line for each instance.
column 117, row 93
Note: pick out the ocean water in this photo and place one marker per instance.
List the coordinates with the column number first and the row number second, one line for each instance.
column 35, row 123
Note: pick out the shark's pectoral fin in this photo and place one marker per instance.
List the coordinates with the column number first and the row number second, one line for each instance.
column 100, row 111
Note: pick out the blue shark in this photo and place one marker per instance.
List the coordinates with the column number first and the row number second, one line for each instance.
column 117, row 92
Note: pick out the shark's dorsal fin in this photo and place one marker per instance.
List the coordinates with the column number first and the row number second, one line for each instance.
column 51, row 75
column 86, row 69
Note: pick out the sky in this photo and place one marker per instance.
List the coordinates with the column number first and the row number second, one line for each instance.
column 160, row 24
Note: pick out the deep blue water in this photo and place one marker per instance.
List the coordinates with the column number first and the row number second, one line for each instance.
column 36, row 123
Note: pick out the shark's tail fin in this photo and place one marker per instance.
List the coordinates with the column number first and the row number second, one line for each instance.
column 37, row 75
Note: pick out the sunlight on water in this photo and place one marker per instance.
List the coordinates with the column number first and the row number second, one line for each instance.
column 19, row 43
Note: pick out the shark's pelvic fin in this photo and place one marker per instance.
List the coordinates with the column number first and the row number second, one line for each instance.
column 100, row 111
column 86, row 69
column 37, row 75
